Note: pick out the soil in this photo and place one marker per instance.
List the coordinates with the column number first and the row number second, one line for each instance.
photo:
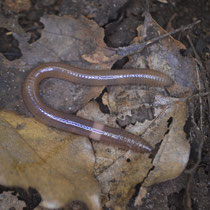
column 120, row 20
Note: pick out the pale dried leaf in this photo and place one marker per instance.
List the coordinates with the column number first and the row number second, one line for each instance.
column 119, row 180
column 63, row 39
column 140, row 196
column 16, row 6
column 48, row 161
column 10, row 201
column 118, row 172
column 174, row 151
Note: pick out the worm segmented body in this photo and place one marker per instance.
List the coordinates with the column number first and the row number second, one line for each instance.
column 78, row 125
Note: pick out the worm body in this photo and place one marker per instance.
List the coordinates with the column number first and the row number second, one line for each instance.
column 71, row 123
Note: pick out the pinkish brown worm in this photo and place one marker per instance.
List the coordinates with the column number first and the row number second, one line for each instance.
column 71, row 123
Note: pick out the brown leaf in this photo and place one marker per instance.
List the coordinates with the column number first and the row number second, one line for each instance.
column 16, row 5
column 63, row 39
column 47, row 160
column 173, row 155
column 165, row 56
column 10, row 201
column 11, row 23
column 142, row 193
column 117, row 171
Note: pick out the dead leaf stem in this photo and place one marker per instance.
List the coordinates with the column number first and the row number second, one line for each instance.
column 136, row 48
column 202, row 68
column 199, row 132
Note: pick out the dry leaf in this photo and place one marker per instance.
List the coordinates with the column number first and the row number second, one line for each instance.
column 100, row 11
column 10, row 201
column 63, row 39
column 47, row 160
column 174, row 151
column 16, row 5
column 140, row 196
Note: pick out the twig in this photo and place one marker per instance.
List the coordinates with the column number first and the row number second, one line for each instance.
column 138, row 47
column 169, row 25
column 203, row 69
column 198, row 131
column 199, row 135
column 200, row 100
column 187, row 201
column 191, row 171
column 195, row 52
column 197, row 95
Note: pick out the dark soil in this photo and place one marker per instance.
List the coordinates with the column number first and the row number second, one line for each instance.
column 119, row 20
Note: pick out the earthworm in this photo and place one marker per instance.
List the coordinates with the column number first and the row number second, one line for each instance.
column 74, row 124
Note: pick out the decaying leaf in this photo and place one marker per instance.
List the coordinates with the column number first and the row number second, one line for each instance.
column 16, row 6
column 63, row 39
column 10, row 201
column 174, row 151
column 64, row 167
column 47, row 160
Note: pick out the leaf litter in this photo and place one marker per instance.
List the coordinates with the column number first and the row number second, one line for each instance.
column 65, row 167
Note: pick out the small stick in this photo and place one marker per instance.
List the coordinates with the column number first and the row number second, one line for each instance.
column 198, row 131
column 199, row 94
column 203, row 69
column 138, row 47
